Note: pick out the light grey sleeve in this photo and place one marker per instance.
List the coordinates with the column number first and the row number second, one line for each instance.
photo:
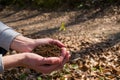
column 7, row 34
column 1, row 65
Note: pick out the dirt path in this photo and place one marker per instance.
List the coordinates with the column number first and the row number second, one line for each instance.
column 92, row 36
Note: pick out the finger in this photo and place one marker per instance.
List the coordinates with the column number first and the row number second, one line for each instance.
column 51, row 60
column 59, row 67
column 67, row 57
column 43, row 41
column 63, row 52
column 47, row 69
column 57, row 42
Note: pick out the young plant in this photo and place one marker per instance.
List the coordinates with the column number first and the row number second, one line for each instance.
column 62, row 27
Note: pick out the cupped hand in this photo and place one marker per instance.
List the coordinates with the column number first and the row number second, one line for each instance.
column 24, row 44
column 44, row 41
column 45, row 64
column 41, row 64
column 65, row 55
column 32, row 61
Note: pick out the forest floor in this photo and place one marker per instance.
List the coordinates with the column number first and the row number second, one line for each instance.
column 91, row 35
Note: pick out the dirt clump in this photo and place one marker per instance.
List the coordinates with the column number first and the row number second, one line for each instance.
column 48, row 50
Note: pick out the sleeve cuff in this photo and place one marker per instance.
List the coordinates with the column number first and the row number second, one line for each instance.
column 1, row 65
column 6, row 38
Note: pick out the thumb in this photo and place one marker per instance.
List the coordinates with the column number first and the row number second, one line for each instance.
column 51, row 60
column 63, row 52
column 57, row 42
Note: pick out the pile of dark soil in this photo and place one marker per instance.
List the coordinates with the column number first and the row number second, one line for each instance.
column 48, row 50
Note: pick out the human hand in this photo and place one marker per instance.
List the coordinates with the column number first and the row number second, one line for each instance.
column 41, row 64
column 32, row 61
column 24, row 44
column 65, row 55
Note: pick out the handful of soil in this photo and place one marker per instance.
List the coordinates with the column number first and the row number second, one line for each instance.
column 48, row 50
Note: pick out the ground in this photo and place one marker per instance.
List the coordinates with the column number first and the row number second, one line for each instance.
column 91, row 35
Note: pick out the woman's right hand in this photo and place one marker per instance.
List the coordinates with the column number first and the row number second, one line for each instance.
column 33, row 61
column 41, row 64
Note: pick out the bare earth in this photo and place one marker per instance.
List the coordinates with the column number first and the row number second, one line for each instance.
column 92, row 36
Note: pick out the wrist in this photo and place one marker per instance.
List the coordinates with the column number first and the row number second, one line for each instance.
column 22, row 44
column 11, row 61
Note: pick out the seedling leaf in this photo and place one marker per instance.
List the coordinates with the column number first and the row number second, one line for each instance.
column 62, row 27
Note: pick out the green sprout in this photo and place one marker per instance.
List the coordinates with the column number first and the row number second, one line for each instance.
column 93, row 69
column 23, row 76
column 62, row 27
column 80, row 6
column 100, row 68
column 39, row 78
column 101, row 78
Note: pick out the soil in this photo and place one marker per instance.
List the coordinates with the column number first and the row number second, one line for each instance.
column 48, row 50
column 91, row 35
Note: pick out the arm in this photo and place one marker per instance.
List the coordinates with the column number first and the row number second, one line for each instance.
column 7, row 34
column 11, row 61
column 10, row 39
column 32, row 61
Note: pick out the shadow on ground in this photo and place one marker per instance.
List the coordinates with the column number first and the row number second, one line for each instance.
column 99, row 48
column 81, row 16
